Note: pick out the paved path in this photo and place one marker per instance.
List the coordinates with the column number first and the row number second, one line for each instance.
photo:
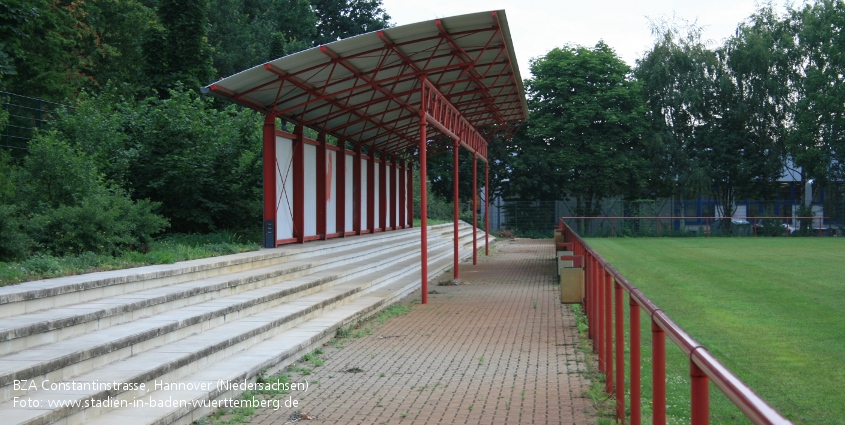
column 498, row 349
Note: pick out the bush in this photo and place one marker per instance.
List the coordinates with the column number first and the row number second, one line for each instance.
column 59, row 205
column 14, row 242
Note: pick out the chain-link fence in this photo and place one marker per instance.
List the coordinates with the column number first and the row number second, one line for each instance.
column 663, row 217
column 24, row 115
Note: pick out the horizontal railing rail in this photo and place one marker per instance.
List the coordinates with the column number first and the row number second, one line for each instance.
column 752, row 225
column 604, row 308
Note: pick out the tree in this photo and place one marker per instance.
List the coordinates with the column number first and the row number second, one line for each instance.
column 817, row 144
column 177, row 51
column 47, row 48
column 337, row 19
column 245, row 33
column 675, row 76
column 583, row 137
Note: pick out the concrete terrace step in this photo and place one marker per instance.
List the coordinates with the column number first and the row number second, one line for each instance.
column 64, row 359
column 242, row 321
column 52, row 293
column 267, row 356
column 49, row 326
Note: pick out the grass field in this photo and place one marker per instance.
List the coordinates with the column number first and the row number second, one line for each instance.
column 771, row 309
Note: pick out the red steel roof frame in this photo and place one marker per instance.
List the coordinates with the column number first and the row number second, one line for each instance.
column 368, row 89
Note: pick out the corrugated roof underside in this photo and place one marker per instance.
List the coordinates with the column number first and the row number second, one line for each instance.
column 366, row 89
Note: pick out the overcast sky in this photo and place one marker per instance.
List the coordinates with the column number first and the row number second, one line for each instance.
column 537, row 26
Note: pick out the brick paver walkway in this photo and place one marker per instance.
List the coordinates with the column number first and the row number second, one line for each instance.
column 498, row 349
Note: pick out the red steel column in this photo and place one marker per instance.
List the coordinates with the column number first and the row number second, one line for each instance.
column 474, row 208
column 423, row 209
column 455, row 205
column 403, row 195
column 382, row 194
column 322, row 206
column 636, row 384
column 620, row 353
column 608, row 329
column 269, row 166
column 658, row 373
column 371, row 193
column 394, row 200
column 340, row 184
column 357, row 202
column 299, row 184
column 410, row 195
column 699, row 395
column 487, row 207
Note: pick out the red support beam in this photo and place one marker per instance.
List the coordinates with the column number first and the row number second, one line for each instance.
column 299, row 184
column 474, row 208
column 423, row 208
column 410, row 192
column 455, row 204
column 357, row 202
column 340, row 185
column 403, row 195
column 487, row 208
column 269, row 176
column 322, row 186
column 394, row 198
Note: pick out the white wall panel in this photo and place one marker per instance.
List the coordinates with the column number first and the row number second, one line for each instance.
column 284, row 188
column 376, row 189
column 310, row 190
column 331, row 192
column 397, row 198
column 350, row 203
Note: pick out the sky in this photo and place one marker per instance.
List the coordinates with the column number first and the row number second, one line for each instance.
column 538, row 26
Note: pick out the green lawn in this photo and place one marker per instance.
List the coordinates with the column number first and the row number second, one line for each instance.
column 771, row 309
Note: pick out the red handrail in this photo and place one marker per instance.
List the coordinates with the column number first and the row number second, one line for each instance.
column 601, row 279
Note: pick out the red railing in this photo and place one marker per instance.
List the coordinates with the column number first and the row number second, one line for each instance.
column 603, row 305
column 789, row 224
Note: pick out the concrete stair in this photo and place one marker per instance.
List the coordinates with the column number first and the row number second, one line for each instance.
column 197, row 323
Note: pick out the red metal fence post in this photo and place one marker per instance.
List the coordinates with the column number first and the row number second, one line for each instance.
column 403, row 194
column 636, row 384
column 699, row 395
column 608, row 332
column 598, row 280
column 658, row 373
column 620, row 353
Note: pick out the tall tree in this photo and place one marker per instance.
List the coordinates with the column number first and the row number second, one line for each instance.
column 337, row 19
column 583, row 138
column 674, row 75
column 47, row 47
column 817, row 144
column 177, row 50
